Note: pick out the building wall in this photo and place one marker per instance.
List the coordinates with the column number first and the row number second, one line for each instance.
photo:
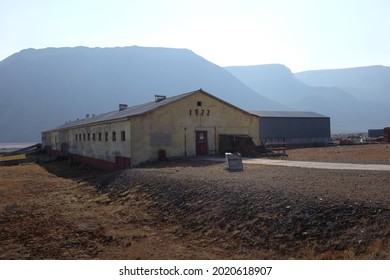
column 91, row 141
column 172, row 128
column 296, row 131
column 89, row 145
column 53, row 139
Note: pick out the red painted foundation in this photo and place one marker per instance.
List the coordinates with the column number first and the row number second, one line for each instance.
column 120, row 163
column 49, row 150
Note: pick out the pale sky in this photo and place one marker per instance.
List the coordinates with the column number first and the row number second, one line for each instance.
column 301, row 34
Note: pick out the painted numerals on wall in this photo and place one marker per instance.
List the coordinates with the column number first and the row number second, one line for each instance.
column 200, row 112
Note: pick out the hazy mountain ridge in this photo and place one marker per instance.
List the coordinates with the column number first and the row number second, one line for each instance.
column 367, row 83
column 311, row 91
column 41, row 89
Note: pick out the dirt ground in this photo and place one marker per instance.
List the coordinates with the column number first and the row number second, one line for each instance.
column 188, row 209
column 366, row 154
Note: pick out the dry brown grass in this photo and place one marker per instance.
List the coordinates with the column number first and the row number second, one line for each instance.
column 15, row 157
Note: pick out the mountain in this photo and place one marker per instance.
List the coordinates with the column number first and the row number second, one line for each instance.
column 41, row 89
column 370, row 83
column 348, row 111
column 272, row 80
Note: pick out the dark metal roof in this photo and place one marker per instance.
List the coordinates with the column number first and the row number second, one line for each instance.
column 128, row 112
column 154, row 105
column 137, row 110
column 287, row 114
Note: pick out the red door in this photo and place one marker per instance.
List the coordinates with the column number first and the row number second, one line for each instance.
column 202, row 148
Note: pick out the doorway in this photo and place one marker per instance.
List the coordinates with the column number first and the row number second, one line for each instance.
column 201, row 143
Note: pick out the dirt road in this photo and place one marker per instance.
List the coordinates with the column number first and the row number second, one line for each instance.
column 318, row 164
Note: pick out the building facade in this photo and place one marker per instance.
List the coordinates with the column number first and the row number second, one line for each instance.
column 184, row 125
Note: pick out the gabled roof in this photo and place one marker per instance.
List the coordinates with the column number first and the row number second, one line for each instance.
column 137, row 110
column 287, row 114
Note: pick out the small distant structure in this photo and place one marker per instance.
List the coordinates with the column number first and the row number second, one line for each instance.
column 386, row 134
column 375, row 133
column 379, row 135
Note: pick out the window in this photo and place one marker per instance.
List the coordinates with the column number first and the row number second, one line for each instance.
column 113, row 136
column 123, row 135
column 89, row 136
column 75, row 137
column 93, row 136
column 84, row 136
column 80, row 137
column 106, row 136
column 199, row 103
column 100, row 136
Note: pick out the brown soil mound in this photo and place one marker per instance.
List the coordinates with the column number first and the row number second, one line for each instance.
column 269, row 212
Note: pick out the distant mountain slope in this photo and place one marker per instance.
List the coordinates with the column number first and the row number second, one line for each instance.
column 272, row 80
column 371, row 83
column 348, row 112
column 41, row 89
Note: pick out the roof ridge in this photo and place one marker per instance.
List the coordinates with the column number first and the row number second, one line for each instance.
column 134, row 110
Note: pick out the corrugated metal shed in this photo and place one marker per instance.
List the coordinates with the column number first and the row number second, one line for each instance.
column 298, row 128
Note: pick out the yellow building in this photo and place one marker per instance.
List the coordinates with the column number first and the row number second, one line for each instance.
column 184, row 125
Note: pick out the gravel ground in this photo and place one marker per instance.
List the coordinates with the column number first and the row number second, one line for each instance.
column 189, row 209
column 269, row 212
